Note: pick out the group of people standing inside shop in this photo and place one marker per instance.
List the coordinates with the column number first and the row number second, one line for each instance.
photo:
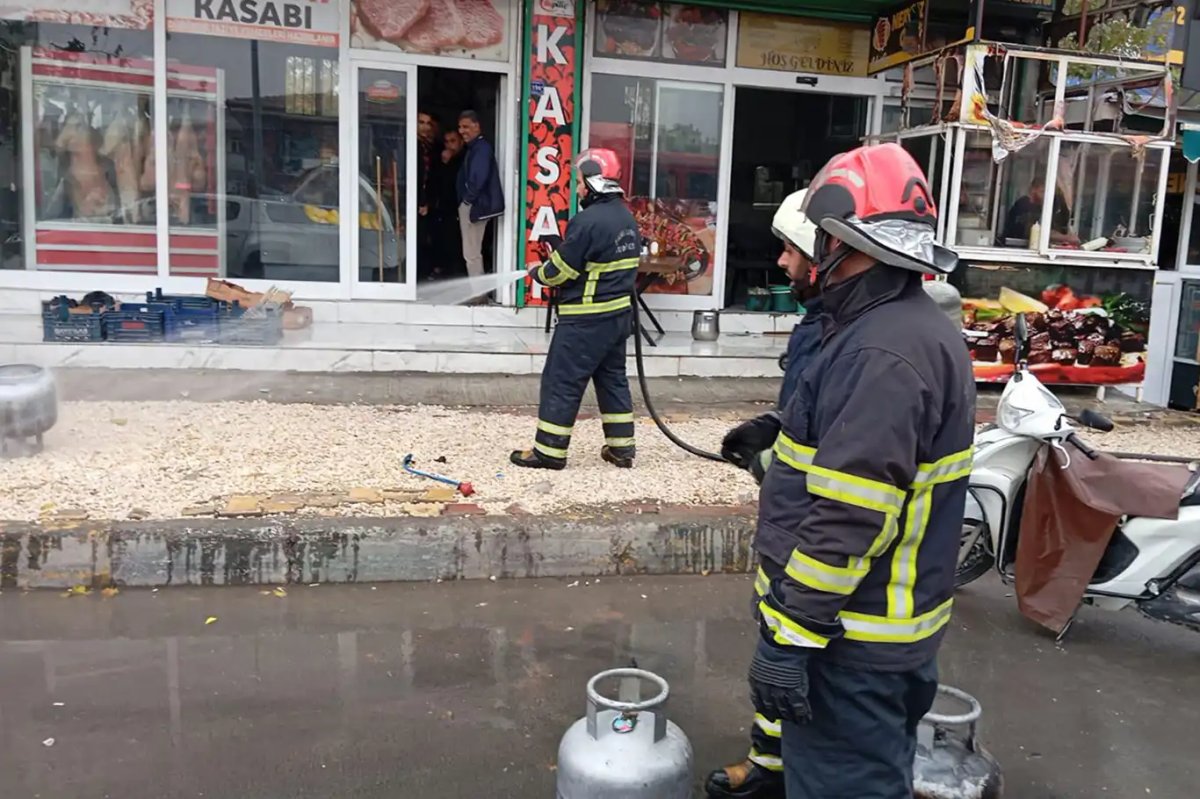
column 458, row 193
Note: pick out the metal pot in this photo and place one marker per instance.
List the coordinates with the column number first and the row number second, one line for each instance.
column 706, row 325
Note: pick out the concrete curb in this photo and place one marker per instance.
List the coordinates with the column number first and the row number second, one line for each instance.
column 280, row 551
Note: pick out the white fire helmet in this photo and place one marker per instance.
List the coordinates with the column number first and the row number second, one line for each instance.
column 791, row 224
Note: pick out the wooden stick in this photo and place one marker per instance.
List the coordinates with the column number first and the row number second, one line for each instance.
column 379, row 211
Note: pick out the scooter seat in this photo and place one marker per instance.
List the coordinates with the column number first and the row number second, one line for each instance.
column 1191, row 492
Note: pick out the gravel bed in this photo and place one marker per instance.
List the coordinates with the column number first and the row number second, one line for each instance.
column 159, row 457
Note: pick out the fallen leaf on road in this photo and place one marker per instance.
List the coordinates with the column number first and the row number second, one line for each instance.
column 211, row 620
column 48, row 742
column 109, row 593
column 280, row 591
column 77, row 590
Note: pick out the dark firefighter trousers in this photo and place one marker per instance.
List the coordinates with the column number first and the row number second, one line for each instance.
column 583, row 350
column 862, row 737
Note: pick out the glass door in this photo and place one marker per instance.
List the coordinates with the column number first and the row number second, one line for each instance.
column 383, row 199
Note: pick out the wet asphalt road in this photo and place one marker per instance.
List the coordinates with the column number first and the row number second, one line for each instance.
column 462, row 690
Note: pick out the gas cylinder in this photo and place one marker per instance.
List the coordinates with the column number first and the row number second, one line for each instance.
column 950, row 763
column 619, row 750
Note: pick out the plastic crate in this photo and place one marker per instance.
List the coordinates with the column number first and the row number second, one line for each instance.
column 187, row 317
column 134, row 323
column 253, row 327
column 59, row 324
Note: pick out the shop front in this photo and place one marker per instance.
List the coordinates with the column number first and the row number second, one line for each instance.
column 1053, row 188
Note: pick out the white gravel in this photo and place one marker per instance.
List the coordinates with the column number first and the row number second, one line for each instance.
column 110, row 458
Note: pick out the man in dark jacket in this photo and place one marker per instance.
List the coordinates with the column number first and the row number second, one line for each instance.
column 480, row 196
column 860, row 511
column 594, row 269
column 749, row 445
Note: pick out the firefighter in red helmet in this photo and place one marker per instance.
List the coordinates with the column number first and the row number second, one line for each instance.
column 593, row 268
column 861, row 507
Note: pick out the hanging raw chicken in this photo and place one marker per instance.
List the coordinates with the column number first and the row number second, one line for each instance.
column 187, row 169
column 87, row 184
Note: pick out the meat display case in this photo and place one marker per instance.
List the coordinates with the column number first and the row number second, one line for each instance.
column 1050, row 186
column 88, row 160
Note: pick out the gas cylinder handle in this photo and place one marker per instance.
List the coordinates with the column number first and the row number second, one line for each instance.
column 596, row 701
column 975, row 710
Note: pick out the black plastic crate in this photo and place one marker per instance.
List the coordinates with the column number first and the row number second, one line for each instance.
column 134, row 323
column 252, row 327
column 59, row 324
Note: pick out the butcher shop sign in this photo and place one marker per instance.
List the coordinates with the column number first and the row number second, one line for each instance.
column 312, row 22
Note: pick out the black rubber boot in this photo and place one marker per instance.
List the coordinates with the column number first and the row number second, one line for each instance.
column 745, row 780
column 532, row 459
column 622, row 459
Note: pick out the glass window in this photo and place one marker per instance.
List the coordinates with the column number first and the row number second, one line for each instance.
column 661, row 32
column 668, row 136
column 73, row 181
column 1104, row 198
column 252, row 158
column 383, row 141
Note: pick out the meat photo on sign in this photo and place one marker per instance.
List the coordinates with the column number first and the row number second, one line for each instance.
column 466, row 28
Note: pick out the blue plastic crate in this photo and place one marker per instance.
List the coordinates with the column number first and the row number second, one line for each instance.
column 187, row 301
column 135, row 323
column 254, row 327
column 59, row 324
column 196, row 322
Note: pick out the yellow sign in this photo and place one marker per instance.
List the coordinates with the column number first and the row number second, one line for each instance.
column 795, row 44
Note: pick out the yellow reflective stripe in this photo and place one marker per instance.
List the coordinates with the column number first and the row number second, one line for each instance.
column 771, row 728
column 953, row 467
column 557, row 280
column 815, row 574
column 616, row 418
column 762, row 583
column 884, row 630
column 900, row 600
column 563, row 266
column 851, row 489
column 798, row 456
column 884, row 540
column 619, row 442
column 613, row 266
column 788, row 632
column 589, row 288
column 576, row 309
column 553, row 452
column 769, row 762
column 854, row 490
column 554, row 429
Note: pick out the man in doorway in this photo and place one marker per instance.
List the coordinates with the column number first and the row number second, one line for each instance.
column 860, row 510
column 480, row 196
column 594, row 269
column 428, row 159
column 447, row 230
column 1027, row 211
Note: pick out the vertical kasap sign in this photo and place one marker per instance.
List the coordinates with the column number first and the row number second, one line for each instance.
column 550, row 101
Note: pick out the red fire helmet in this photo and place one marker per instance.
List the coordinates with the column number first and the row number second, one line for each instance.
column 600, row 168
column 876, row 200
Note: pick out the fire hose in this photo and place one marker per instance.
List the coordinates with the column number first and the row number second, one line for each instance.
column 641, row 372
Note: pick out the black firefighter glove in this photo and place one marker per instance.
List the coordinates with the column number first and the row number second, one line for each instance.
column 779, row 681
column 743, row 443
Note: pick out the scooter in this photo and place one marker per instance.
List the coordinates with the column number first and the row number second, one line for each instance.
column 1153, row 563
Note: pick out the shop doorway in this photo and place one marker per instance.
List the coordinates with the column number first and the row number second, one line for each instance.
column 780, row 139
column 442, row 95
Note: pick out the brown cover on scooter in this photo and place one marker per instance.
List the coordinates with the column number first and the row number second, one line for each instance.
column 1070, row 516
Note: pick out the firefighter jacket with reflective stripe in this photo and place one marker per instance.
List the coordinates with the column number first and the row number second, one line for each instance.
column 595, row 267
column 863, row 502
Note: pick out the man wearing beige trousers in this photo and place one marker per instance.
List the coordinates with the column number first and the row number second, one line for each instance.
column 480, row 196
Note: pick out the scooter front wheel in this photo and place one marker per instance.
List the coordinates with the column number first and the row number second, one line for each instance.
column 974, row 554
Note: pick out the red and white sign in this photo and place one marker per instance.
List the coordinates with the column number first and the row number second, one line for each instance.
column 136, row 14
column 311, row 22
